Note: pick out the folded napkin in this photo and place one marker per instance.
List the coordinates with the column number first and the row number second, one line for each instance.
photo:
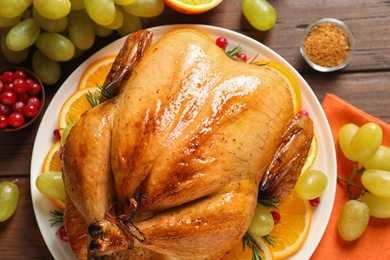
column 375, row 241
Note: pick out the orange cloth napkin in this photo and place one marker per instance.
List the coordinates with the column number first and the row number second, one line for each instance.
column 375, row 241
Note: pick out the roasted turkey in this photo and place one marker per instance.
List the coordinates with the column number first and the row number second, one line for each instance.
column 170, row 168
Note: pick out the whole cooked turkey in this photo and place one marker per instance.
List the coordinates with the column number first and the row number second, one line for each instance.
column 171, row 167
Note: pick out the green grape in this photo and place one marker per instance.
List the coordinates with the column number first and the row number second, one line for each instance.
column 52, row 9
column 12, row 56
column 65, row 133
column 353, row 219
column 48, row 70
column 101, row 11
column 77, row 4
column 365, row 142
column 9, row 197
column 380, row 160
column 259, row 13
column 55, row 26
column 131, row 24
column 262, row 222
column 377, row 182
column 101, row 30
column 145, row 8
column 118, row 21
column 13, row 8
column 124, row 2
column 55, row 46
column 311, row 184
column 23, row 35
column 51, row 185
column 81, row 30
column 346, row 133
column 379, row 206
column 7, row 22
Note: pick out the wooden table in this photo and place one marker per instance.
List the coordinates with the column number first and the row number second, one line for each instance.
column 365, row 83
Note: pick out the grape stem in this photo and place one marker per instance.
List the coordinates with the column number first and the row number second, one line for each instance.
column 351, row 183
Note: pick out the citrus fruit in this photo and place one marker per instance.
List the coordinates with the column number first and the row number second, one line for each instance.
column 96, row 73
column 290, row 233
column 312, row 155
column 191, row 6
column 75, row 106
column 52, row 163
column 240, row 253
column 293, row 84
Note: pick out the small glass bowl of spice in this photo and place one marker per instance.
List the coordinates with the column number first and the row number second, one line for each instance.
column 327, row 45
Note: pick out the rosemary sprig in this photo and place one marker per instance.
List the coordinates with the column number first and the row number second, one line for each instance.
column 97, row 98
column 248, row 240
column 236, row 50
column 268, row 201
column 57, row 217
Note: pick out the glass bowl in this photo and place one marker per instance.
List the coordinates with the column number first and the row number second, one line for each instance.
column 327, row 45
column 23, row 97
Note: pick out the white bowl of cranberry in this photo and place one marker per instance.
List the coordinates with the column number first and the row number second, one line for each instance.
column 22, row 97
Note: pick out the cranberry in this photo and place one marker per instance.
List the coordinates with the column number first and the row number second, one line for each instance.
column 56, row 134
column 34, row 89
column 8, row 97
column 276, row 217
column 303, row 112
column 20, row 74
column 221, row 42
column 1, row 85
column 314, row 202
column 242, row 56
column 8, row 77
column 18, row 106
column 34, row 101
column 5, row 110
column 3, row 121
column 16, row 119
column 30, row 111
column 22, row 97
column 62, row 234
column 8, row 86
column 20, row 86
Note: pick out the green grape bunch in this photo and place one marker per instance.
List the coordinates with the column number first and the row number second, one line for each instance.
column 363, row 146
column 61, row 30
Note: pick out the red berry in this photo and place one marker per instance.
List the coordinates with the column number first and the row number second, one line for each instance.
column 20, row 86
column 34, row 89
column 3, row 121
column 1, row 86
column 30, row 111
column 18, row 106
column 8, row 77
column 16, row 119
column 20, row 74
column 221, row 42
column 8, row 86
column 62, row 234
column 34, row 101
column 8, row 97
column 56, row 134
column 303, row 112
column 5, row 110
column 242, row 56
column 22, row 97
column 314, row 202
column 276, row 217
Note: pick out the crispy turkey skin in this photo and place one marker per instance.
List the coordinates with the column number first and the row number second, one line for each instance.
column 171, row 167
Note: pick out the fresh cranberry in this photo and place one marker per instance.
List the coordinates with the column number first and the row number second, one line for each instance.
column 8, row 97
column 8, row 86
column 3, row 121
column 5, row 110
column 16, row 119
column 276, row 217
column 30, row 111
column 314, row 202
column 22, row 97
column 62, row 234
column 1, row 86
column 18, row 106
column 34, row 89
column 20, row 74
column 8, row 76
column 242, row 56
column 303, row 112
column 34, row 101
column 20, row 86
column 56, row 134
column 221, row 42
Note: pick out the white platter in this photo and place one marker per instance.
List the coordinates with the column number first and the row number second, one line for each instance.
column 326, row 159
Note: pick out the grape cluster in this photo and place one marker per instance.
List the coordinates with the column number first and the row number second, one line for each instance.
column 64, row 29
column 363, row 146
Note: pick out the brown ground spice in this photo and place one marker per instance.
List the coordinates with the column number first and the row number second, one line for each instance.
column 326, row 45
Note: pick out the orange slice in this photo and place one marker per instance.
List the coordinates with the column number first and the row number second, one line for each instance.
column 312, row 155
column 75, row 106
column 52, row 163
column 290, row 233
column 240, row 253
column 293, row 84
column 191, row 6
column 95, row 74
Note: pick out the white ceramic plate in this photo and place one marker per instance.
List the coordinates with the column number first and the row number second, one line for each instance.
column 326, row 160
